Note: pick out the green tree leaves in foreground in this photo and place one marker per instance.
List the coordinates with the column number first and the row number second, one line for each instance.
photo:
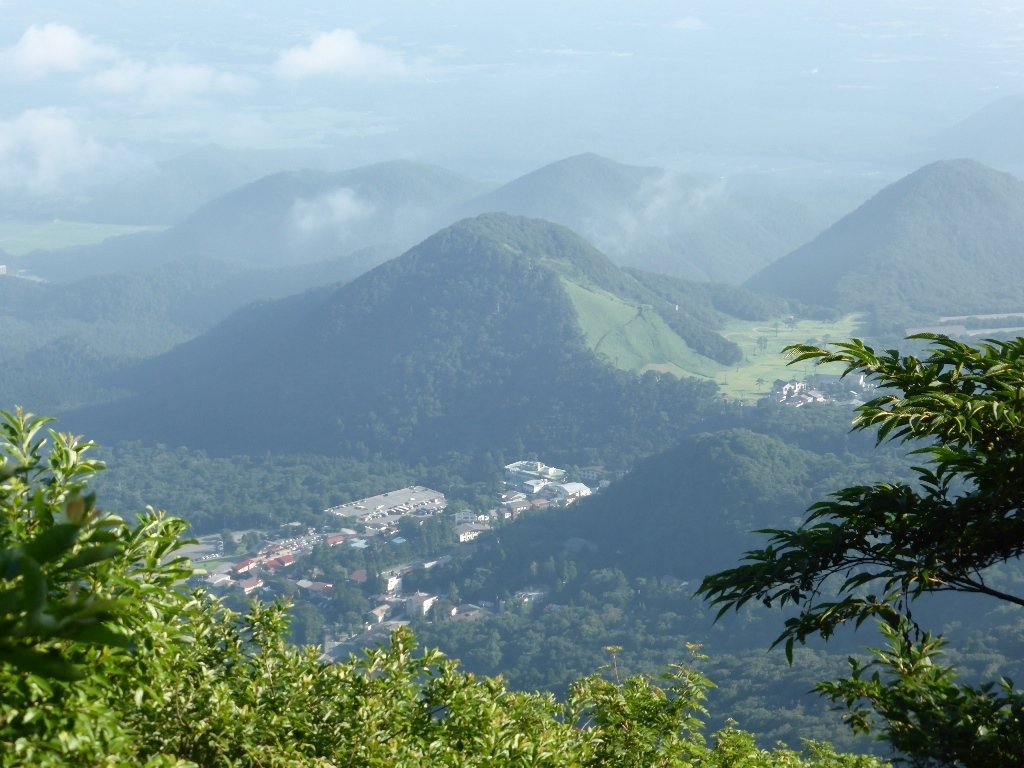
column 871, row 551
column 106, row 660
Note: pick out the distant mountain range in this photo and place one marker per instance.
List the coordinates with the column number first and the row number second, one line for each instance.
column 662, row 221
column 946, row 240
column 283, row 220
column 476, row 339
column 719, row 230
column 135, row 190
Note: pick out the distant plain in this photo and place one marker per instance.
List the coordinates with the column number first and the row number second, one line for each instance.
column 19, row 236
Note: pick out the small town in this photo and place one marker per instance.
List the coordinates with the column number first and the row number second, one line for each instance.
column 292, row 565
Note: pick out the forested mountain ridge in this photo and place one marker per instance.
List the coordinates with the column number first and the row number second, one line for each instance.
column 467, row 343
column 946, row 240
column 112, row 320
column 619, row 568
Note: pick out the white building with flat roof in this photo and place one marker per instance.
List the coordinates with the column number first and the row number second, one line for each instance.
column 414, row 500
column 531, row 476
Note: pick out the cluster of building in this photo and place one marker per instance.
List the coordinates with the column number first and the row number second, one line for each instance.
column 533, row 484
column 247, row 574
column 394, row 609
column 529, row 484
column 822, row 389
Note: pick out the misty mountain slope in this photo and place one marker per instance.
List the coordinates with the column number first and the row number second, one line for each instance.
column 303, row 216
column 466, row 343
column 580, row 187
column 659, row 220
column 947, row 239
column 132, row 188
column 991, row 135
column 167, row 191
column 286, row 219
column 61, row 342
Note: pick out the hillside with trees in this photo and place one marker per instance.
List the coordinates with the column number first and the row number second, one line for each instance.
column 469, row 343
column 618, row 568
column 62, row 342
column 945, row 240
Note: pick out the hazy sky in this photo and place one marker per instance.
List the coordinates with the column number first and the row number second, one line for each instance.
column 485, row 85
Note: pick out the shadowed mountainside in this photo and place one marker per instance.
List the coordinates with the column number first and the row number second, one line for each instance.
column 468, row 342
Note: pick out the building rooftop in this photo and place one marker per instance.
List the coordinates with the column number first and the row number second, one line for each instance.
column 404, row 501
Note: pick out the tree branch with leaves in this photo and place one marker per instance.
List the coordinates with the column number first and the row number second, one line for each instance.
column 871, row 551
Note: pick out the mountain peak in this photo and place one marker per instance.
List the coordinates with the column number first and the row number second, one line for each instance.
column 467, row 340
column 945, row 239
column 962, row 176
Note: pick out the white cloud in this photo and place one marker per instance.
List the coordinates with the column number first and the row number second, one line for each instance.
column 42, row 150
column 331, row 211
column 341, row 53
column 165, row 83
column 688, row 24
column 53, row 48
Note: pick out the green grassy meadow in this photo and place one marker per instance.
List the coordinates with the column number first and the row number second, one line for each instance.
column 632, row 337
column 18, row 237
column 742, row 381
